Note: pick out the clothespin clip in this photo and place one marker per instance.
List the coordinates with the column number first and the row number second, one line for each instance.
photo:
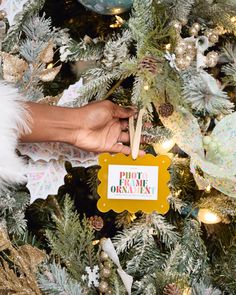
column 135, row 133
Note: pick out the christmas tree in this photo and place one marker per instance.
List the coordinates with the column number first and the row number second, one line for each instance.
column 176, row 61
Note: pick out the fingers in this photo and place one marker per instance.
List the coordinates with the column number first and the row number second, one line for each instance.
column 120, row 148
column 124, row 125
column 124, row 137
column 122, row 112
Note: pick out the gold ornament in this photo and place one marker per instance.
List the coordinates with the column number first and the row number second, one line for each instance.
column 105, row 272
column 103, row 256
column 182, row 63
column 177, row 25
column 196, row 26
column 193, row 31
column 107, row 264
column 181, row 48
column 46, row 56
column 2, row 14
column 212, row 59
column 103, row 286
column 13, row 67
column 48, row 75
column 212, row 35
column 109, row 292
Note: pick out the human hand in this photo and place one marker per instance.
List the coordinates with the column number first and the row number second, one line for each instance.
column 102, row 127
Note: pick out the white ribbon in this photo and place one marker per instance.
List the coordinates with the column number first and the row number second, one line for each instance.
column 202, row 44
column 109, row 248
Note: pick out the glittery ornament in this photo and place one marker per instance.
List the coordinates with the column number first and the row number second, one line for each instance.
column 214, row 38
column 166, row 109
column 177, row 25
column 48, row 75
column 108, row 264
column 103, row 286
column 212, row 35
column 46, row 55
column 171, row 289
column 182, row 63
column 193, row 31
column 103, row 256
column 149, row 63
column 196, row 26
column 212, row 59
column 96, row 222
column 105, row 272
column 109, row 292
column 181, row 48
column 2, row 14
column 13, row 67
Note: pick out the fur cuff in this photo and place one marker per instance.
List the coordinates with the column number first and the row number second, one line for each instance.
column 13, row 121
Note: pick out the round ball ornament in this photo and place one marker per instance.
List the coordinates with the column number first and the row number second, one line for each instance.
column 108, row 7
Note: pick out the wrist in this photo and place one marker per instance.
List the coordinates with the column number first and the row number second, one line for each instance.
column 51, row 123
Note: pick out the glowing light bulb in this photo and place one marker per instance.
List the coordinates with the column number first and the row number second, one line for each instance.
column 168, row 46
column 167, row 145
column 146, row 87
column 208, row 188
column 187, row 291
column 164, row 147
column 233, row 19
column 50, row 66
column 208, row 217
column 119, row 22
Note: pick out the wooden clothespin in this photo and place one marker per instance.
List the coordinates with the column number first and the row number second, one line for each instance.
column 135, row 133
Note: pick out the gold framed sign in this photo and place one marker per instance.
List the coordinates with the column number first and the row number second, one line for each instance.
column 133, row 185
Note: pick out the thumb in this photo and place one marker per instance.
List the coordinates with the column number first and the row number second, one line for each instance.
column 123, row 112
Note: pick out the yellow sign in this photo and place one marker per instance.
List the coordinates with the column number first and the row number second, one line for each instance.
column 133, row 185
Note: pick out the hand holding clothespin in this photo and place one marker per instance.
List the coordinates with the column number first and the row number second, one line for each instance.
column 135, row 133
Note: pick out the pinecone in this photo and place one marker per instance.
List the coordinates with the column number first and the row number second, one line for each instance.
column 166, row 109
column 149, row 63
column 96, row 222
column 171, row 289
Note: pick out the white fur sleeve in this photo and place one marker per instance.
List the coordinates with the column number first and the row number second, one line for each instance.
column 13, row 121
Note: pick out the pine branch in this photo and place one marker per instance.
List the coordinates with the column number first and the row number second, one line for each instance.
column 189, row 256
column 72, row 241
column 56, row 280
column 13, row 34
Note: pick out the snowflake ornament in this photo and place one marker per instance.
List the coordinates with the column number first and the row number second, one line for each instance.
column 92, row 276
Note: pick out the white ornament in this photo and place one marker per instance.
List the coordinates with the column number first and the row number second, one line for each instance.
column 44, row 178
column 93, row 276
column 109, row 248
column 71, row 94
column 46, row 171
column 12, row 8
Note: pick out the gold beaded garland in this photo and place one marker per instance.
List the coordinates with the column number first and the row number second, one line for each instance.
column 103, row 286
column 103, row 256
column 105, row 272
